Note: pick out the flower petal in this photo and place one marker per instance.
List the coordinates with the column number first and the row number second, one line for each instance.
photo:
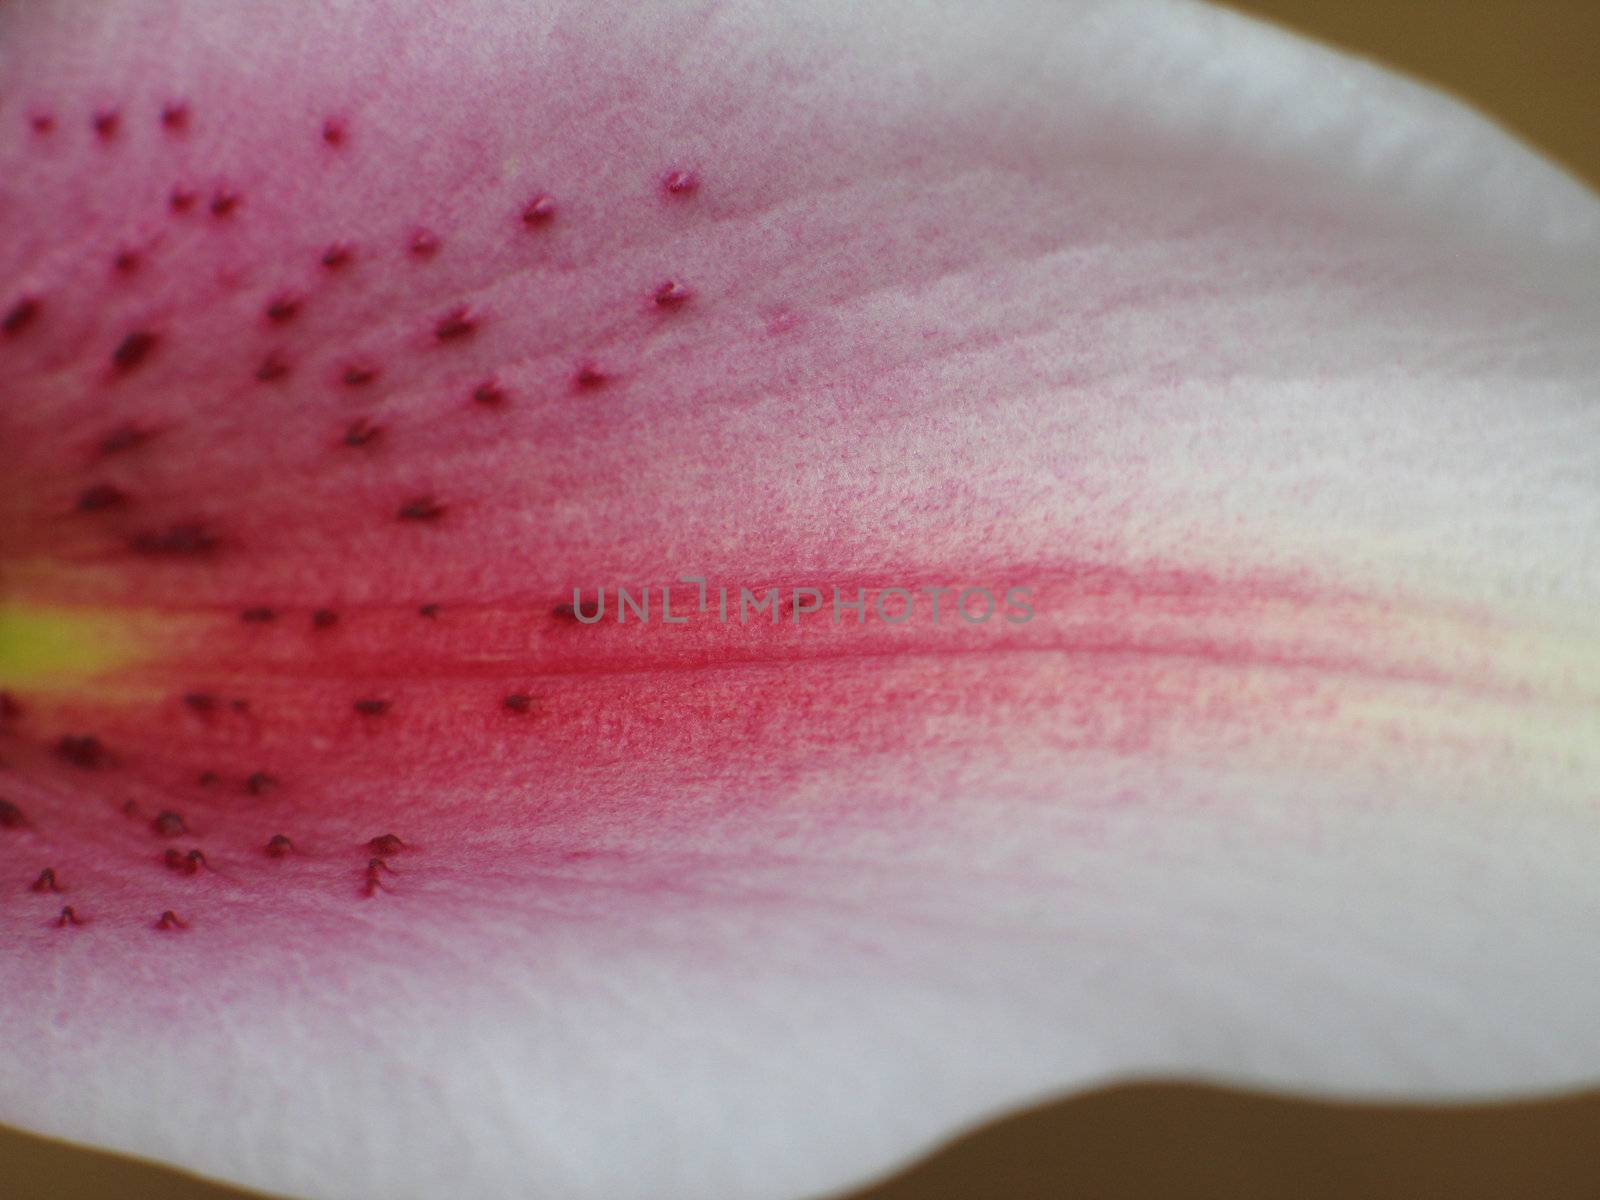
column 344, row 860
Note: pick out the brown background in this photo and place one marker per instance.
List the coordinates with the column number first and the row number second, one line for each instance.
column 1535, row 66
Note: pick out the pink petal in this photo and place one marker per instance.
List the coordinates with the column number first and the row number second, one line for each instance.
column 1271, row 378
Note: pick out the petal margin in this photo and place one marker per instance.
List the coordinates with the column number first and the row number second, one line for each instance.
column 1271, row 377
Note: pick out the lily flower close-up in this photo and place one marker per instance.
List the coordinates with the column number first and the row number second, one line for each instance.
column 653, row 599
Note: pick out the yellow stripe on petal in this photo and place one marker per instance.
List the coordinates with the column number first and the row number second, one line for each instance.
column 54, row 648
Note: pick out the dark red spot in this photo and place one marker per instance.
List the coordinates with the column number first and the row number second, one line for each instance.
column 456, row 324
column 283, row 308
column 10, row 710
column 69, row 916
column 565, row 613
column 358, row 374
column 224, row 201
column 81, row 750
column 334, row 131
column 206, row 778
column 125, row 437
column 175, row 116
column 429, row 610
column 182, row 199
column 588, row 377
column 239, row 705
column 171, row 920
column 105, row 123
column 20, row 315
column 540, row 210
column 671, row 294
column 169, row 824
column 186, row 540
column 258, row 616
column 489, row 393
column 42, row 123
column 259, row 783
column 272, row 367
column 47, row 882
column 184, row 864
column 11, row 816
column 361, row 432
column 324, row 618
column 424, row 508
column 100, row 497
column 424, row 243
column 372, row 707
column 278, row 846
column 518, row 702
column 133, row 349
column 126, row 262
column 386, row 844
column 680, row 183
column 337, row 256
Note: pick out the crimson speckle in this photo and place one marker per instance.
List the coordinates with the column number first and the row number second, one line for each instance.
column 272, row 368
column 372, row 707
column 334, row 131
column 283, row 308
column 47, row 882
column 206, row 778
column 337, row 256
column 200, row 702
column 259, row 783
column 361, row 432
column 184, row 864
column 588, row 377
column 671, row 294
column 168, row 823
column 456, row 324
column 10, row 710
column 428, row 610
column 518, row 702
column 489, row 393
column 278, row 846
column 126, row 262
column 540, row 210
column 184, row 540
column 11, row 816
column 69, row 916
column 100, row 497
column 324, row 618
column 424, row 243
column 424, row 508
column 258, row 615
column 81, row 750
column 170, row 920
column 20, row 315
column 175, row 116
column 42, row 123
column 106, row 122
column 133, row 349
column 680, row 183
column 358, row 374
column 385, row 844
column 182, row 199
column 224, row 201
column 124, row 437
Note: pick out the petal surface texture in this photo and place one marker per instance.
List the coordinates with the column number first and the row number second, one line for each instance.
column 339, row 343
